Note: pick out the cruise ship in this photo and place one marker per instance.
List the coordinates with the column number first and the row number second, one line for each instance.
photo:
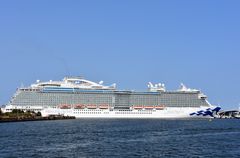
column 76, row 96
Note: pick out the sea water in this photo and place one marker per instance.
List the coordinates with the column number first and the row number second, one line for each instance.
column 121, row 138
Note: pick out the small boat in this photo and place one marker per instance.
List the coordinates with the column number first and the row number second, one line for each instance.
column 65, row 106
column 79, row 106
column 160, row 107
column 91, row 106
column 138, row 107
column 149, row 107
column 103, row 106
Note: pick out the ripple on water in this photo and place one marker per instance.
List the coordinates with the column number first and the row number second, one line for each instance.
column 121, row 138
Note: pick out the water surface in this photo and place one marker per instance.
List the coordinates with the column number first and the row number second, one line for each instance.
column 121, row 138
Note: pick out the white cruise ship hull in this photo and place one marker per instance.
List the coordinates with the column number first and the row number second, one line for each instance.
column 162, row 114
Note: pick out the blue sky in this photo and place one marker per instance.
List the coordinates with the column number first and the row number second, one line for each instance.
column 125, row 42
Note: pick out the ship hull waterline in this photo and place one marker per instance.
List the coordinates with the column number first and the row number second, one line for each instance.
column 169, row 113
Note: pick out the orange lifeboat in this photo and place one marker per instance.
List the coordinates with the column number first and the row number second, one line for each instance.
column 138, row 107
column 159, row 107
column 91, row 106
column 149, row 107
column 64, row 106
column 103, row 106
column 79, row 106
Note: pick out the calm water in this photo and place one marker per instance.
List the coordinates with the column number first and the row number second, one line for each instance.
column 121, row 138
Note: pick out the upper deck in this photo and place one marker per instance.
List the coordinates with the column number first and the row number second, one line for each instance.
column 79, row 84
column 72, row 83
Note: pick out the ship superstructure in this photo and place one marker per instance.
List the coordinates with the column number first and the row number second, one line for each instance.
column 79, row 97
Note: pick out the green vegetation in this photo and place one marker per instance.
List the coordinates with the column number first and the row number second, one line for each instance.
column 17, row 113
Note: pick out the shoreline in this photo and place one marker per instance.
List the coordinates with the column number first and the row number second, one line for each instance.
column 25, row 119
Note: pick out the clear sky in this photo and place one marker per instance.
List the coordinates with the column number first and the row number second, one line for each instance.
column 128, row 42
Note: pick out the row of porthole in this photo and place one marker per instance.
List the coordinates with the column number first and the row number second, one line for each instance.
column 87, row 112
column 131, row 113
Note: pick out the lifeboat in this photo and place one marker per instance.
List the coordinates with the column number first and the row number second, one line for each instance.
column 65, row 106
column 92, row 106
column 159, row 107
column 79, row 106
column 149, row 107
column 103, row 106
column 138, row 107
